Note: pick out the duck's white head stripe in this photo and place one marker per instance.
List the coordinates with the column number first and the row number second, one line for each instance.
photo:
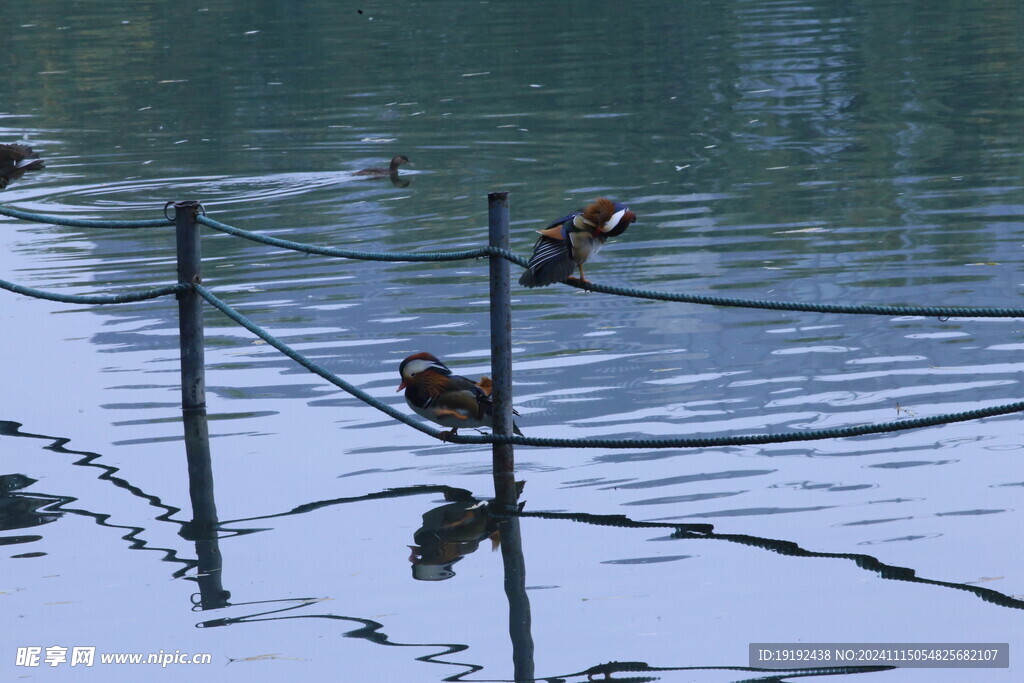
column 414, row 367
column 614, row 220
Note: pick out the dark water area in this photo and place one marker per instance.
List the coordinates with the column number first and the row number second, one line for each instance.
column 854, row 153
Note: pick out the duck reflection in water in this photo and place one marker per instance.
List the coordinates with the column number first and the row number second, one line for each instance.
column 449, row 533
column 15, row 160
column 391, row 172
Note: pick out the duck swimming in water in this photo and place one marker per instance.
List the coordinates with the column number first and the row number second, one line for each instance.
column 391, row 170
column 15, row 160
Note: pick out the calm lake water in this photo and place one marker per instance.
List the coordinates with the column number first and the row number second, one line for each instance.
column 820, row 152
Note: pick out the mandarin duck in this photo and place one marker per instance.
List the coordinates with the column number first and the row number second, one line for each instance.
column 391, row 170
column 15, row 160
column 567, row 243
column 433, row 392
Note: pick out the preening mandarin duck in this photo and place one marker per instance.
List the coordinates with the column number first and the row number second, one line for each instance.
column 433, row 392
column 391, row 170
column 567, row 243
column 15, row 160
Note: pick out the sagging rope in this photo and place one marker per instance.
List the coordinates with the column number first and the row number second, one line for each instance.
column 428, row 256
column 480, row 252
column 857, row 309
column 310, row 365
column 686, row 442
column 127, row 297
column 83, row 222
column 629, row 443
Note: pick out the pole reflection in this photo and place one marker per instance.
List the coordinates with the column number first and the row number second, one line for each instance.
column 203, row 528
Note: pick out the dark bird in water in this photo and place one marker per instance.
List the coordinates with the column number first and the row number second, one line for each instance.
column 391, row 170
column 15, row 160
column 567, row 243
column 433, row 392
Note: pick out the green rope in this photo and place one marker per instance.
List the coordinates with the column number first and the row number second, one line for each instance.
column 82, row 222
column 750, row 439
column 433, row 256
column 310, row 365
column 480, row 252
column 683, row 442
column 128, row 297
column 860, row 309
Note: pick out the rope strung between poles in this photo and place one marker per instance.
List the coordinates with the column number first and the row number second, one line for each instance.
column 83, row 222
column 480, row 252
column 631, row 443
column 683, row 442
column 429, row 256
column 310, row 365
column 127, row 297
column 857, row 309
column 749, row 439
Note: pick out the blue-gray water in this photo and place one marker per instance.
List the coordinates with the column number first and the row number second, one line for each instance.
column 835, row 152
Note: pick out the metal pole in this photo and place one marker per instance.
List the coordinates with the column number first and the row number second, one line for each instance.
column 203, row 528
column 501, row 350
column 190, row 307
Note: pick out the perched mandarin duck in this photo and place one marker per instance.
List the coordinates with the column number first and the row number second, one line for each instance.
column 391, row 170
column 15, row 160
column 433, row 392
column 567, row 243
